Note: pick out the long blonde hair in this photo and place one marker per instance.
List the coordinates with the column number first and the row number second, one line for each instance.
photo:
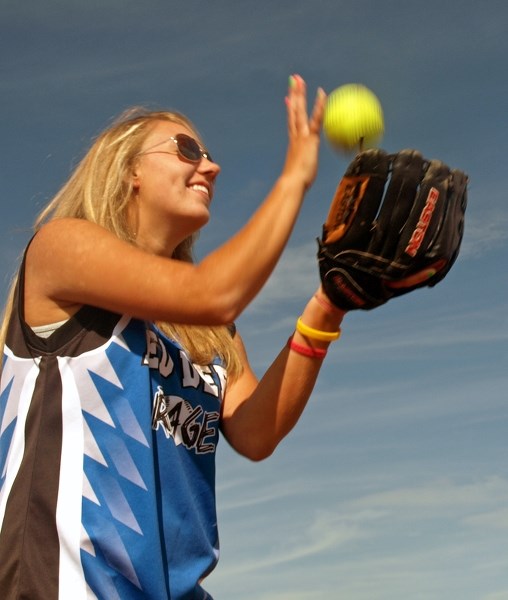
column 99, row 190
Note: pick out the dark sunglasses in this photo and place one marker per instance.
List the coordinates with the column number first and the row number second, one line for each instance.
column 186, row 147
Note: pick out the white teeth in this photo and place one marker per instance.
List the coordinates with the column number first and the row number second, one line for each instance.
column 200, row 188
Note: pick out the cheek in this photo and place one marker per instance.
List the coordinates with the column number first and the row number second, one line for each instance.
column 163, row 175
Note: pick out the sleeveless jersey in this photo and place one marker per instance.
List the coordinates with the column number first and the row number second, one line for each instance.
column 107, row 462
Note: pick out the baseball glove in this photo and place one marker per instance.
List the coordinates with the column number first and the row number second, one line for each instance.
column 395, row 224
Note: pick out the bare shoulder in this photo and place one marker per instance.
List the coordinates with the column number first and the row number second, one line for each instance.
column 64, row 246
column 73, row 262
column 66, row 231
column 42, row 263
column 62, row 268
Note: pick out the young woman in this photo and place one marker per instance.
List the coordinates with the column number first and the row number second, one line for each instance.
column 122, row 363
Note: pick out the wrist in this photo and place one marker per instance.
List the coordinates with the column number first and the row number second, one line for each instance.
column 317, row 335
column 327, row 305
column 316, row 328
column 320, row 322
column 320, row 313
column 290, row 180
column 306, row 349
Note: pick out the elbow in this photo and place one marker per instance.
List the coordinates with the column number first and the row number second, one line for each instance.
column 224, row 301
column 224, row 309
column 256, row 452
column 259, row 456
column 249, row 444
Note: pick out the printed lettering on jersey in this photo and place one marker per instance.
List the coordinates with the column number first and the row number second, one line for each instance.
column 188, row 423
column 157, row 355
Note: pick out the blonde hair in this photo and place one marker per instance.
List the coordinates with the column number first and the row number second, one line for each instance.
column 98, row 190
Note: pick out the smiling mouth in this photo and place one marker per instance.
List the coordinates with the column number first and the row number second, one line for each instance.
column 201, row 188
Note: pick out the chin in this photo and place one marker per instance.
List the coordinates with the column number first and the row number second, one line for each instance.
column 198, row 220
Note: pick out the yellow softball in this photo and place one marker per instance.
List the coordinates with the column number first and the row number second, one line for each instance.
column 353, row 118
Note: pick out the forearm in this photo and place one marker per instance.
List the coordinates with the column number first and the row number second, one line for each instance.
column 278, row 403
column 251, row 255
column 272, row 409
column 239, row 268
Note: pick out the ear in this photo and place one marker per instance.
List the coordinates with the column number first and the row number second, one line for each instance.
column 133, row 177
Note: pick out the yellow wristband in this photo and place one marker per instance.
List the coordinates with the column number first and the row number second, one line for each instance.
column 316, row 334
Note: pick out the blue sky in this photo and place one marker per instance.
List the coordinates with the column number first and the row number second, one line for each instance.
column 394, row 485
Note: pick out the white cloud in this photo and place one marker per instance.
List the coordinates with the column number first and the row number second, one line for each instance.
column 495, row 519
column 398, row 543
column 485, row 231
column 440, row 496
column 295, row 277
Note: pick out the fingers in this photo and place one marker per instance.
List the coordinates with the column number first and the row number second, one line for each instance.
column 299, row 93
column 318, row 111
column 296, row 102
column 304, row 131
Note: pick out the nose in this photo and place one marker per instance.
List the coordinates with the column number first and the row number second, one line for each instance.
column 208, row 167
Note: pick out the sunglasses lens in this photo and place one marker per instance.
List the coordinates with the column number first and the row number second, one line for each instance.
column 189, row 148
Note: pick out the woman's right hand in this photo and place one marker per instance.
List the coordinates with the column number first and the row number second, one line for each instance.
column 304, row 132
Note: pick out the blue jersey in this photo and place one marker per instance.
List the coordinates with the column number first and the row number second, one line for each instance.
column 108, row 435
